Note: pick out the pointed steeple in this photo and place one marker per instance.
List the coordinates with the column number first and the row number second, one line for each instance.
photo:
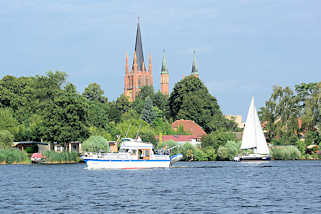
column 194, row 66
column 164, row 64
column 139, row 49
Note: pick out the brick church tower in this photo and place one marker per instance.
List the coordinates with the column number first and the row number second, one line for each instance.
column 138, row 76
column 164, row 76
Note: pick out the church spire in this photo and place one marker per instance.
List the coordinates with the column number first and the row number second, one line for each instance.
column 194, row 66
column 164, row 64
column 139, row 49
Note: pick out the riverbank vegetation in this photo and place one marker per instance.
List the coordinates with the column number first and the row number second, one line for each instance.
column 52, row 157
column 13, row 156
column 48, row 108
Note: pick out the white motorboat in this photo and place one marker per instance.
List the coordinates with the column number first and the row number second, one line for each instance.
column 133, row 154
column 253, row 138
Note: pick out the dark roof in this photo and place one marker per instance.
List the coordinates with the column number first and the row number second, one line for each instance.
column 29, row 143
column 139, row 50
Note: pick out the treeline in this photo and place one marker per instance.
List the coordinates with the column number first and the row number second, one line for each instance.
column 48, row 108
column 293, row 117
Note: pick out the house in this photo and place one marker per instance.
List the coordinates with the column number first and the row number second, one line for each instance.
column 31, row 146
column 189, row 126
column 73, row 146
column 181, row 139
column 237, row 119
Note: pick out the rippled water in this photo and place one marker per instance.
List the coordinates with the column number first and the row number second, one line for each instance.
column 198, row 187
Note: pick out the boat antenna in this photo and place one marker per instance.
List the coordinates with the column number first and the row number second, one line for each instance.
column 127, row 130
column 140, row 125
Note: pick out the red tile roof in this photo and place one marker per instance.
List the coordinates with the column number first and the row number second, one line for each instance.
column 189, row 126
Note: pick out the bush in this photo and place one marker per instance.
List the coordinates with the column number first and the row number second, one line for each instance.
column 228, row 151
column 200, row 155
column 285, row 153
column 217, row 138
column 95, row 144
column 188, row 151
column 61, row 157
column 13, row 156
column 169, row 144
column 210, row 153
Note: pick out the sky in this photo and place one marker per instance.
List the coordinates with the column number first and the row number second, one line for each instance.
column 243, row 47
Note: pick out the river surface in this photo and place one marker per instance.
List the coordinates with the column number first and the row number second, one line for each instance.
column 197, row 187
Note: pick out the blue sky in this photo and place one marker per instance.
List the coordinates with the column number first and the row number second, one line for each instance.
column 244, row 47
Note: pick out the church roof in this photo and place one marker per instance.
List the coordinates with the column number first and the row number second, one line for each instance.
column 139, row 50
column 194, row 66
column 164, row 65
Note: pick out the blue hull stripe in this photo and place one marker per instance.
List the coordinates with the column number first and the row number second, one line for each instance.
column 126, row 160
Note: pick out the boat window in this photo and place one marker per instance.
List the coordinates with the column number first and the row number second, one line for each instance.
column 147, row 153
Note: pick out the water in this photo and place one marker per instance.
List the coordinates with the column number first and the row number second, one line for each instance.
column 198, row 187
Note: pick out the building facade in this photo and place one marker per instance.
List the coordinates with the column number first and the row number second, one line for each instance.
column 138, row 76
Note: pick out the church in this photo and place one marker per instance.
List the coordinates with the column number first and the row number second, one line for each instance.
column 138, row 76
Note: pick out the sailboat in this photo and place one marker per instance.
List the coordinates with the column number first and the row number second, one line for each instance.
column 253, row 138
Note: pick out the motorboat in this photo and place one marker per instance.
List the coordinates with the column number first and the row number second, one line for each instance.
column 133, row 154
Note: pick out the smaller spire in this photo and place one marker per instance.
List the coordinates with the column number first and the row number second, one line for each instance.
column 194, row 66
column 150, row 63
column 143, row 67
column 164, row 69
column 127, row 67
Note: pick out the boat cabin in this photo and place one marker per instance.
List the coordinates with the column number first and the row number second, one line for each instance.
column 142, row 151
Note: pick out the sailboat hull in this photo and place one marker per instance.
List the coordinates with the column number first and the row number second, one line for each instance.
column 253, row 157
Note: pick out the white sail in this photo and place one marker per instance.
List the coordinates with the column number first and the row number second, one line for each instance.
column 261, row 145
column 249, row 137
column 253, row 136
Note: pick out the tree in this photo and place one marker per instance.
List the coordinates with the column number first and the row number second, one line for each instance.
column 7, row 121
column 6, row 139
column 93, row 92
column 98, row 114
column 95, row 144
column 123, row 104
column 65, row 118
column 139, row 103
column 145, row 91
column 148, row 114
column 280, row 114
column 160, row 101
column 191, row 100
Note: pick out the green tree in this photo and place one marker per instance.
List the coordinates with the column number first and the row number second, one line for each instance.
column 93, row 92
column 160, row 101
column 95, row 144
column 123, row 104
column 139, row 103
column 148, row 115
column 280, row 114
column 7, row 121
column 98, row 114
column 191, row 100
column 65, row 118
column 6, row 139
